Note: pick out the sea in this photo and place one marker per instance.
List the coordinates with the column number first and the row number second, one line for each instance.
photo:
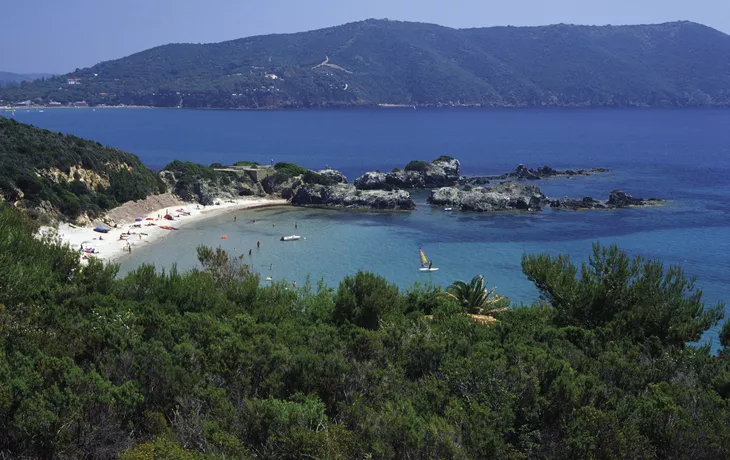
column 678, row 155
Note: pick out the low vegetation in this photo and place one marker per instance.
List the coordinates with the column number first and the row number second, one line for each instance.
column 417, row 165
column 211, row 364
column 54, row 173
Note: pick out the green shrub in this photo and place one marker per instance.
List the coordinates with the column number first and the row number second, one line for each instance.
column 468, row 188
column 290, row 169
column 417, row 165
column 364, row 299
column 247, row 163
column 311, row 177
column 444, row 158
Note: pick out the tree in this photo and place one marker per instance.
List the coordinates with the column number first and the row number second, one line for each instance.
column 632, row 299
column 475, row 298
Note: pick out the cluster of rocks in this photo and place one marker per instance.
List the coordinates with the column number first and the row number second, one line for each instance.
column 502, row 197
column 389, row 191
column 347, row 196
column 377, row 190
column 443, row 172
column 522, row 172
column 616, row 199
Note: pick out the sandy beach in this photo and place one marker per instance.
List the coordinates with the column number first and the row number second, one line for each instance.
column 129, row 234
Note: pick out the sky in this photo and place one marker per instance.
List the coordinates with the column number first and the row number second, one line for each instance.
column 58, row 36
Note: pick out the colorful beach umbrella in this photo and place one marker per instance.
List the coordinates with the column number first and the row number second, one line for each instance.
column 149, row 218
column 138, row 219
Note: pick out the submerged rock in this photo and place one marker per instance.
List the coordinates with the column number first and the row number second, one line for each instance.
column 442, row 172
column 616, row 199
column 502, row 197
column 347, row 196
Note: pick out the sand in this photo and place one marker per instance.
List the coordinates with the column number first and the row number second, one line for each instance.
column 109, row 246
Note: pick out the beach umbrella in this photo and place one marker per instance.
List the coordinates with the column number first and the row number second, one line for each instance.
column 138, row 219
column 149, row 218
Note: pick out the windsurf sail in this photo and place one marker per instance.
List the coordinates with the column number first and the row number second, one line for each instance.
column 424, row 260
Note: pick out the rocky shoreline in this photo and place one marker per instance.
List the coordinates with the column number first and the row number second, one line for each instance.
column 391, row 191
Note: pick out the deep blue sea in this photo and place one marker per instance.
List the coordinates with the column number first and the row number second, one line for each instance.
column 682, row 155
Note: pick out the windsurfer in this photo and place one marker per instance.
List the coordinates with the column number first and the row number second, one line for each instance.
column 430, row 262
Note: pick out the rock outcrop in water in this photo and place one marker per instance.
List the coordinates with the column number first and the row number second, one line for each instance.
column 442, row 172
column 333, row 175
column 501, row 197
column 347, row 196
column 522, row 172
column 616, row 199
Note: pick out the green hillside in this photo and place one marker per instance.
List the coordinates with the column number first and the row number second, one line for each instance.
column 56, row 174
column 389, row 62
column 10, row 78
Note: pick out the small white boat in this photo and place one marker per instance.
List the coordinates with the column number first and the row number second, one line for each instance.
column 447, row 209
column 426, row 269
column 290, row 238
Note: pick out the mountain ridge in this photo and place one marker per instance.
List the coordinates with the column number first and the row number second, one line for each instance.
column 376, row 61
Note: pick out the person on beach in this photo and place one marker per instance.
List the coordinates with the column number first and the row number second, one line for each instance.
column 234, row 218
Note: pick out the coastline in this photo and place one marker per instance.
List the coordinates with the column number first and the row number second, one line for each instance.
column 111, row 245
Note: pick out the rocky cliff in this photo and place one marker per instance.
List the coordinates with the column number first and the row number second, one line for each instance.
column 206, row 189
column 347, row 196
column 442, row 172
column 502, row 197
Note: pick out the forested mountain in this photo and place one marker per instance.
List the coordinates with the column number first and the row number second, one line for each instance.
column 54, row 173
column 7, row 78
column 391, row 62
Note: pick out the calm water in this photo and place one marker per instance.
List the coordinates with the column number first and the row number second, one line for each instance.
column 680, row 155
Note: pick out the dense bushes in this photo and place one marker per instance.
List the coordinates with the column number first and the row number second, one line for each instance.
column 417, row 165
column 209, row 364
column 289, row 169
column 311, row 177
column 32, row 159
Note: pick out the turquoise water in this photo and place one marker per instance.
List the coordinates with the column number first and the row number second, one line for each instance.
column 679, row 155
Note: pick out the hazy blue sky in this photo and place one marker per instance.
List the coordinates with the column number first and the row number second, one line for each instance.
column 61, row 35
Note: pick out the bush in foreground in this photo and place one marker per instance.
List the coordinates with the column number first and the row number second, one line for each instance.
column 209, row 364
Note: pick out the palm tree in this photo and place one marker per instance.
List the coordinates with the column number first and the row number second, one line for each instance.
column 475, row 298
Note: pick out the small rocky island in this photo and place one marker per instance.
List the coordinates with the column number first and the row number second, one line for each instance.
column 347, row 196
column 522, row 172
column 505, row 196
column 442, row 172
column 616, row 199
